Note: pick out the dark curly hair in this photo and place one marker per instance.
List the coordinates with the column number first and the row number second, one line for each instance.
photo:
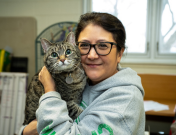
column 108, row 22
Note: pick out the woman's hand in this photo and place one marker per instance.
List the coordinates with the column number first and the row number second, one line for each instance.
column 31, row 128
column 46, row 79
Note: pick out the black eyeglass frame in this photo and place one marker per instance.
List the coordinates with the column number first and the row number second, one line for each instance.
column 93, row 45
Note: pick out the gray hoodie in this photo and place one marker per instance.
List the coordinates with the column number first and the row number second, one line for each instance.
column 112, row 107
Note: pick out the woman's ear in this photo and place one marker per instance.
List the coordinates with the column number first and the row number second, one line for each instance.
column 121, row 52
column 119, row 55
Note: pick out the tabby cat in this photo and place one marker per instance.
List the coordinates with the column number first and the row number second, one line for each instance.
column 63, row 61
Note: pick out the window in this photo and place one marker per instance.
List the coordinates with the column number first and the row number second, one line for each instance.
column 133, row 20
column 167, row 43
column 150, row 27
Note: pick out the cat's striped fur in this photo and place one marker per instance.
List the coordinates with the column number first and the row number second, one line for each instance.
column 60, row 68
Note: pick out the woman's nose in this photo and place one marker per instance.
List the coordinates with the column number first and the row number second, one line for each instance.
column 92, row 53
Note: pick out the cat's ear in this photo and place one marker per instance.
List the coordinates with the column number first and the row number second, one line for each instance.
column 45, row 44
column 71, row 38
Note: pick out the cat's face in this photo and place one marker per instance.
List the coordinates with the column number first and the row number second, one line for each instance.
column 61, row 57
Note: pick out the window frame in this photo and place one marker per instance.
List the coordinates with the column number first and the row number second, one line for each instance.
column 152, row 55
column 158, row 21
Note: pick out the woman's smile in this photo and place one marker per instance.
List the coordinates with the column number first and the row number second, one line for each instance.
column 93, row 65
column 98, row 67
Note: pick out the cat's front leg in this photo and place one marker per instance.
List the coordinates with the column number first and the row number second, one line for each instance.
column 34, row 93
column 73, row 109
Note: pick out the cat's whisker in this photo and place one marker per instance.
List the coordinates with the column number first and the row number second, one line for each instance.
column 76, row 66
column 81, row 70
column 69, row 61
column 53, row 66
column 84, row 65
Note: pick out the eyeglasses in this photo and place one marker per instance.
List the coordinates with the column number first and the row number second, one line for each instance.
column 102, row 48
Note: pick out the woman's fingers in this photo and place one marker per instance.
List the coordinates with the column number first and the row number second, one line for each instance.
column 46, row 79
column 31, row 128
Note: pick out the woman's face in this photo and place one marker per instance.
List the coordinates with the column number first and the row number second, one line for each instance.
column 98, row 67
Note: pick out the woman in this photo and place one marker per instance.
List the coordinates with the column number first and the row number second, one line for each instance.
column 113, row 97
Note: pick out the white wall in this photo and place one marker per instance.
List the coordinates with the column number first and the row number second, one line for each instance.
column 45, row 12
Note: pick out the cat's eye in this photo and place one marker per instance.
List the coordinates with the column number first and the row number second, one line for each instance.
column 54, row 54
column 68, row 52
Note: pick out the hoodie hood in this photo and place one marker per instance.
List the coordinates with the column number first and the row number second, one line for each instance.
column 124, row 77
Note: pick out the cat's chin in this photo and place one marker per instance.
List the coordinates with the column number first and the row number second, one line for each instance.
column 63, row 69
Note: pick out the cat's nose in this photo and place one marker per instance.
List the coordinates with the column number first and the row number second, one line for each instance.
column 62, row 60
